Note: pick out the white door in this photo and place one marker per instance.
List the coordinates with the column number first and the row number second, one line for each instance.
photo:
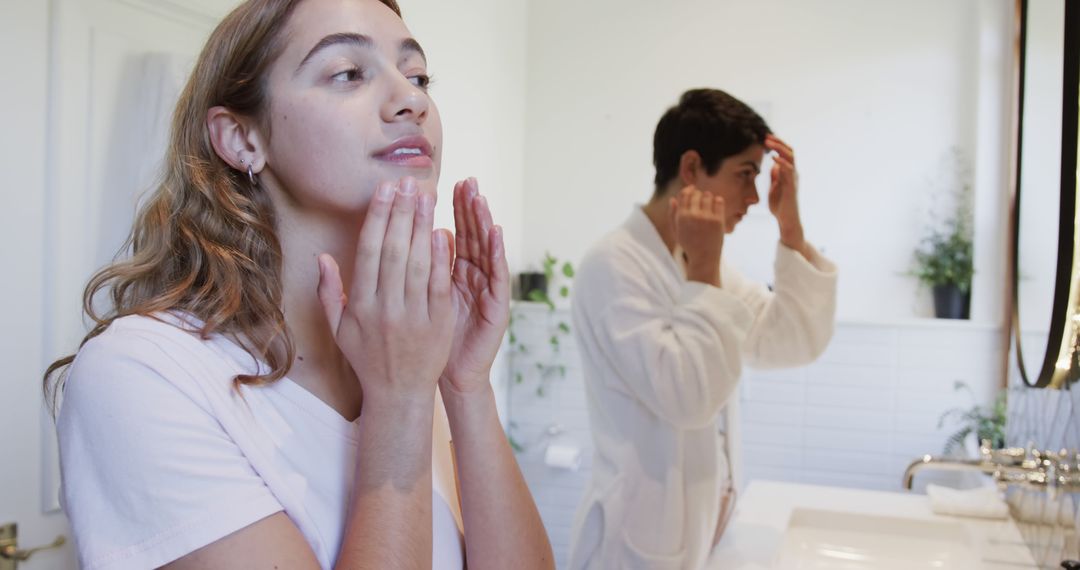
column 24, row 43
column 87, row 92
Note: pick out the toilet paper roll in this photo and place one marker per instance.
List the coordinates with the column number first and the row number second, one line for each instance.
column 563, row 457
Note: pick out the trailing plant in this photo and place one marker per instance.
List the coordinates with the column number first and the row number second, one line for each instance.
column 985, row 423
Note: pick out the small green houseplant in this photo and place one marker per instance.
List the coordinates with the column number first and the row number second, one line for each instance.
column 546, row 360
column 944, row 260
column 985, row 423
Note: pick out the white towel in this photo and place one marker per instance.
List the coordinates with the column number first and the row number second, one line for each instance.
column 982, row 502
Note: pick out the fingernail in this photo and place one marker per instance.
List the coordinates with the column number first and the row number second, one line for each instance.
column 408, row 187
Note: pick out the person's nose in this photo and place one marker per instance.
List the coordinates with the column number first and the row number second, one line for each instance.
column 752, row 196
column 406, row 102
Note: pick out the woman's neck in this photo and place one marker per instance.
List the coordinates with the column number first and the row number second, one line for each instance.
column 658, row 211
column 319, row 365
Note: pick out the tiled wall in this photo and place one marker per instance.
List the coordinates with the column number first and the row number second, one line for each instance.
column 854, row 418
column 1049, row 419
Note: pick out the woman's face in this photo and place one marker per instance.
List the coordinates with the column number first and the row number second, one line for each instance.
column 349, row 107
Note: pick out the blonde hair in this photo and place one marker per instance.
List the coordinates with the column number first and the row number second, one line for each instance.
column 205, row 241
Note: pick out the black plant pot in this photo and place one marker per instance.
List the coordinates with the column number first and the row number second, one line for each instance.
column 951, row 303
column 529, row 282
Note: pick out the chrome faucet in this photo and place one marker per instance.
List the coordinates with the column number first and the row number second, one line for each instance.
column 1010, row 466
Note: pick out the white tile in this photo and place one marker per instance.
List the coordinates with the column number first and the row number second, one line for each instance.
column 846, row 440
column 782, row 414
column 848, row 397
column 831, row 374
column 772, row 455
column 864, row 334
column 778, row 392
column 786, row 435
column 821, row 416
column 870, row 355
column 917, row 423
column 850, row 462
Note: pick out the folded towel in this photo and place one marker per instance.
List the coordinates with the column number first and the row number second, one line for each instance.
column 982, row 502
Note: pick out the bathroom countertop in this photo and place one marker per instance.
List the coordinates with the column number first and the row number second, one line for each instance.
column 756, row 531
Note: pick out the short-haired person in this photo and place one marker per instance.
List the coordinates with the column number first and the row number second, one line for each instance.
column 664, row 327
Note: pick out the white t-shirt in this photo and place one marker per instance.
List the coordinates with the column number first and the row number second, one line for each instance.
column 161, row 457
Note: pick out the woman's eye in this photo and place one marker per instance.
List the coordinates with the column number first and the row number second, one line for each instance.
column 348, row 76
column 422, row 81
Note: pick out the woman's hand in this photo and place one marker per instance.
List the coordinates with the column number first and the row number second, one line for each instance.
column 783, row 193
column 480, row 292
column 698, row 219
column 395, row 324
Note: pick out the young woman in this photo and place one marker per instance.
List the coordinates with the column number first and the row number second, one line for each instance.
column 291, row 346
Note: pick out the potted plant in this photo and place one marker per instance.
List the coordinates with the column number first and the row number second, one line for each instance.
column 944, row 260
column 545, row 360
column 985, row 423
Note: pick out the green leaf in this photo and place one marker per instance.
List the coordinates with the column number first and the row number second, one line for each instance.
column 541, row 297
column 564, row 328
column 517, row 447
column 564, row 292
column 568, row 270
column 518, row 378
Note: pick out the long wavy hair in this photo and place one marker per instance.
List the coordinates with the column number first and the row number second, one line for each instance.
column 205, row 241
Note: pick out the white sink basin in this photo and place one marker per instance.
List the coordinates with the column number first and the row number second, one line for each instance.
column 818, row 539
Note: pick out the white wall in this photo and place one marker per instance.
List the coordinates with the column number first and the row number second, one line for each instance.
column 477, row 51
column 872, row 95
column 24, row 58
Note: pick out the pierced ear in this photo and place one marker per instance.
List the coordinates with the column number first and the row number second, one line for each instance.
column 689, row 167
column 235, row 139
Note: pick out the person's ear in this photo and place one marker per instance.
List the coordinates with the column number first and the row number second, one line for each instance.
column 689, row 167
column 236, row 139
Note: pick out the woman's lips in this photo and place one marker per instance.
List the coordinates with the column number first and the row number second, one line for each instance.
column 408, row 152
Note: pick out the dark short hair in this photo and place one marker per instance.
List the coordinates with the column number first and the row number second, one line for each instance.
column 708, row 121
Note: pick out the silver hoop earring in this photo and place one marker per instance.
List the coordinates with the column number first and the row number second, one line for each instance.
column 250, row 173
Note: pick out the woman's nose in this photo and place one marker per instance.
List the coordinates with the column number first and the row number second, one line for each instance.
column 752, row 196
column 406, row 102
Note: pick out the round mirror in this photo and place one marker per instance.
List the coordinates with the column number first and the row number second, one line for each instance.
column 1045, row 194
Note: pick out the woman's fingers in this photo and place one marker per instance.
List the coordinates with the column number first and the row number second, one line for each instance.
column 461, row 226
column 418, row 270
column 476, row 236
column 442, row 255
column 331, row 293
column 482, row 222
column 370, row 244
column 396, row 245
column 499, row 274
column 718, row 207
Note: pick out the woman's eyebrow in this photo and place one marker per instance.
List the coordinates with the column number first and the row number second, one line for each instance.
column 358, row 40
column 410, row 45
column 407, row 46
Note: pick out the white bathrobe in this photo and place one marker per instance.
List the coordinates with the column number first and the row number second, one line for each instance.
column 662, row 357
